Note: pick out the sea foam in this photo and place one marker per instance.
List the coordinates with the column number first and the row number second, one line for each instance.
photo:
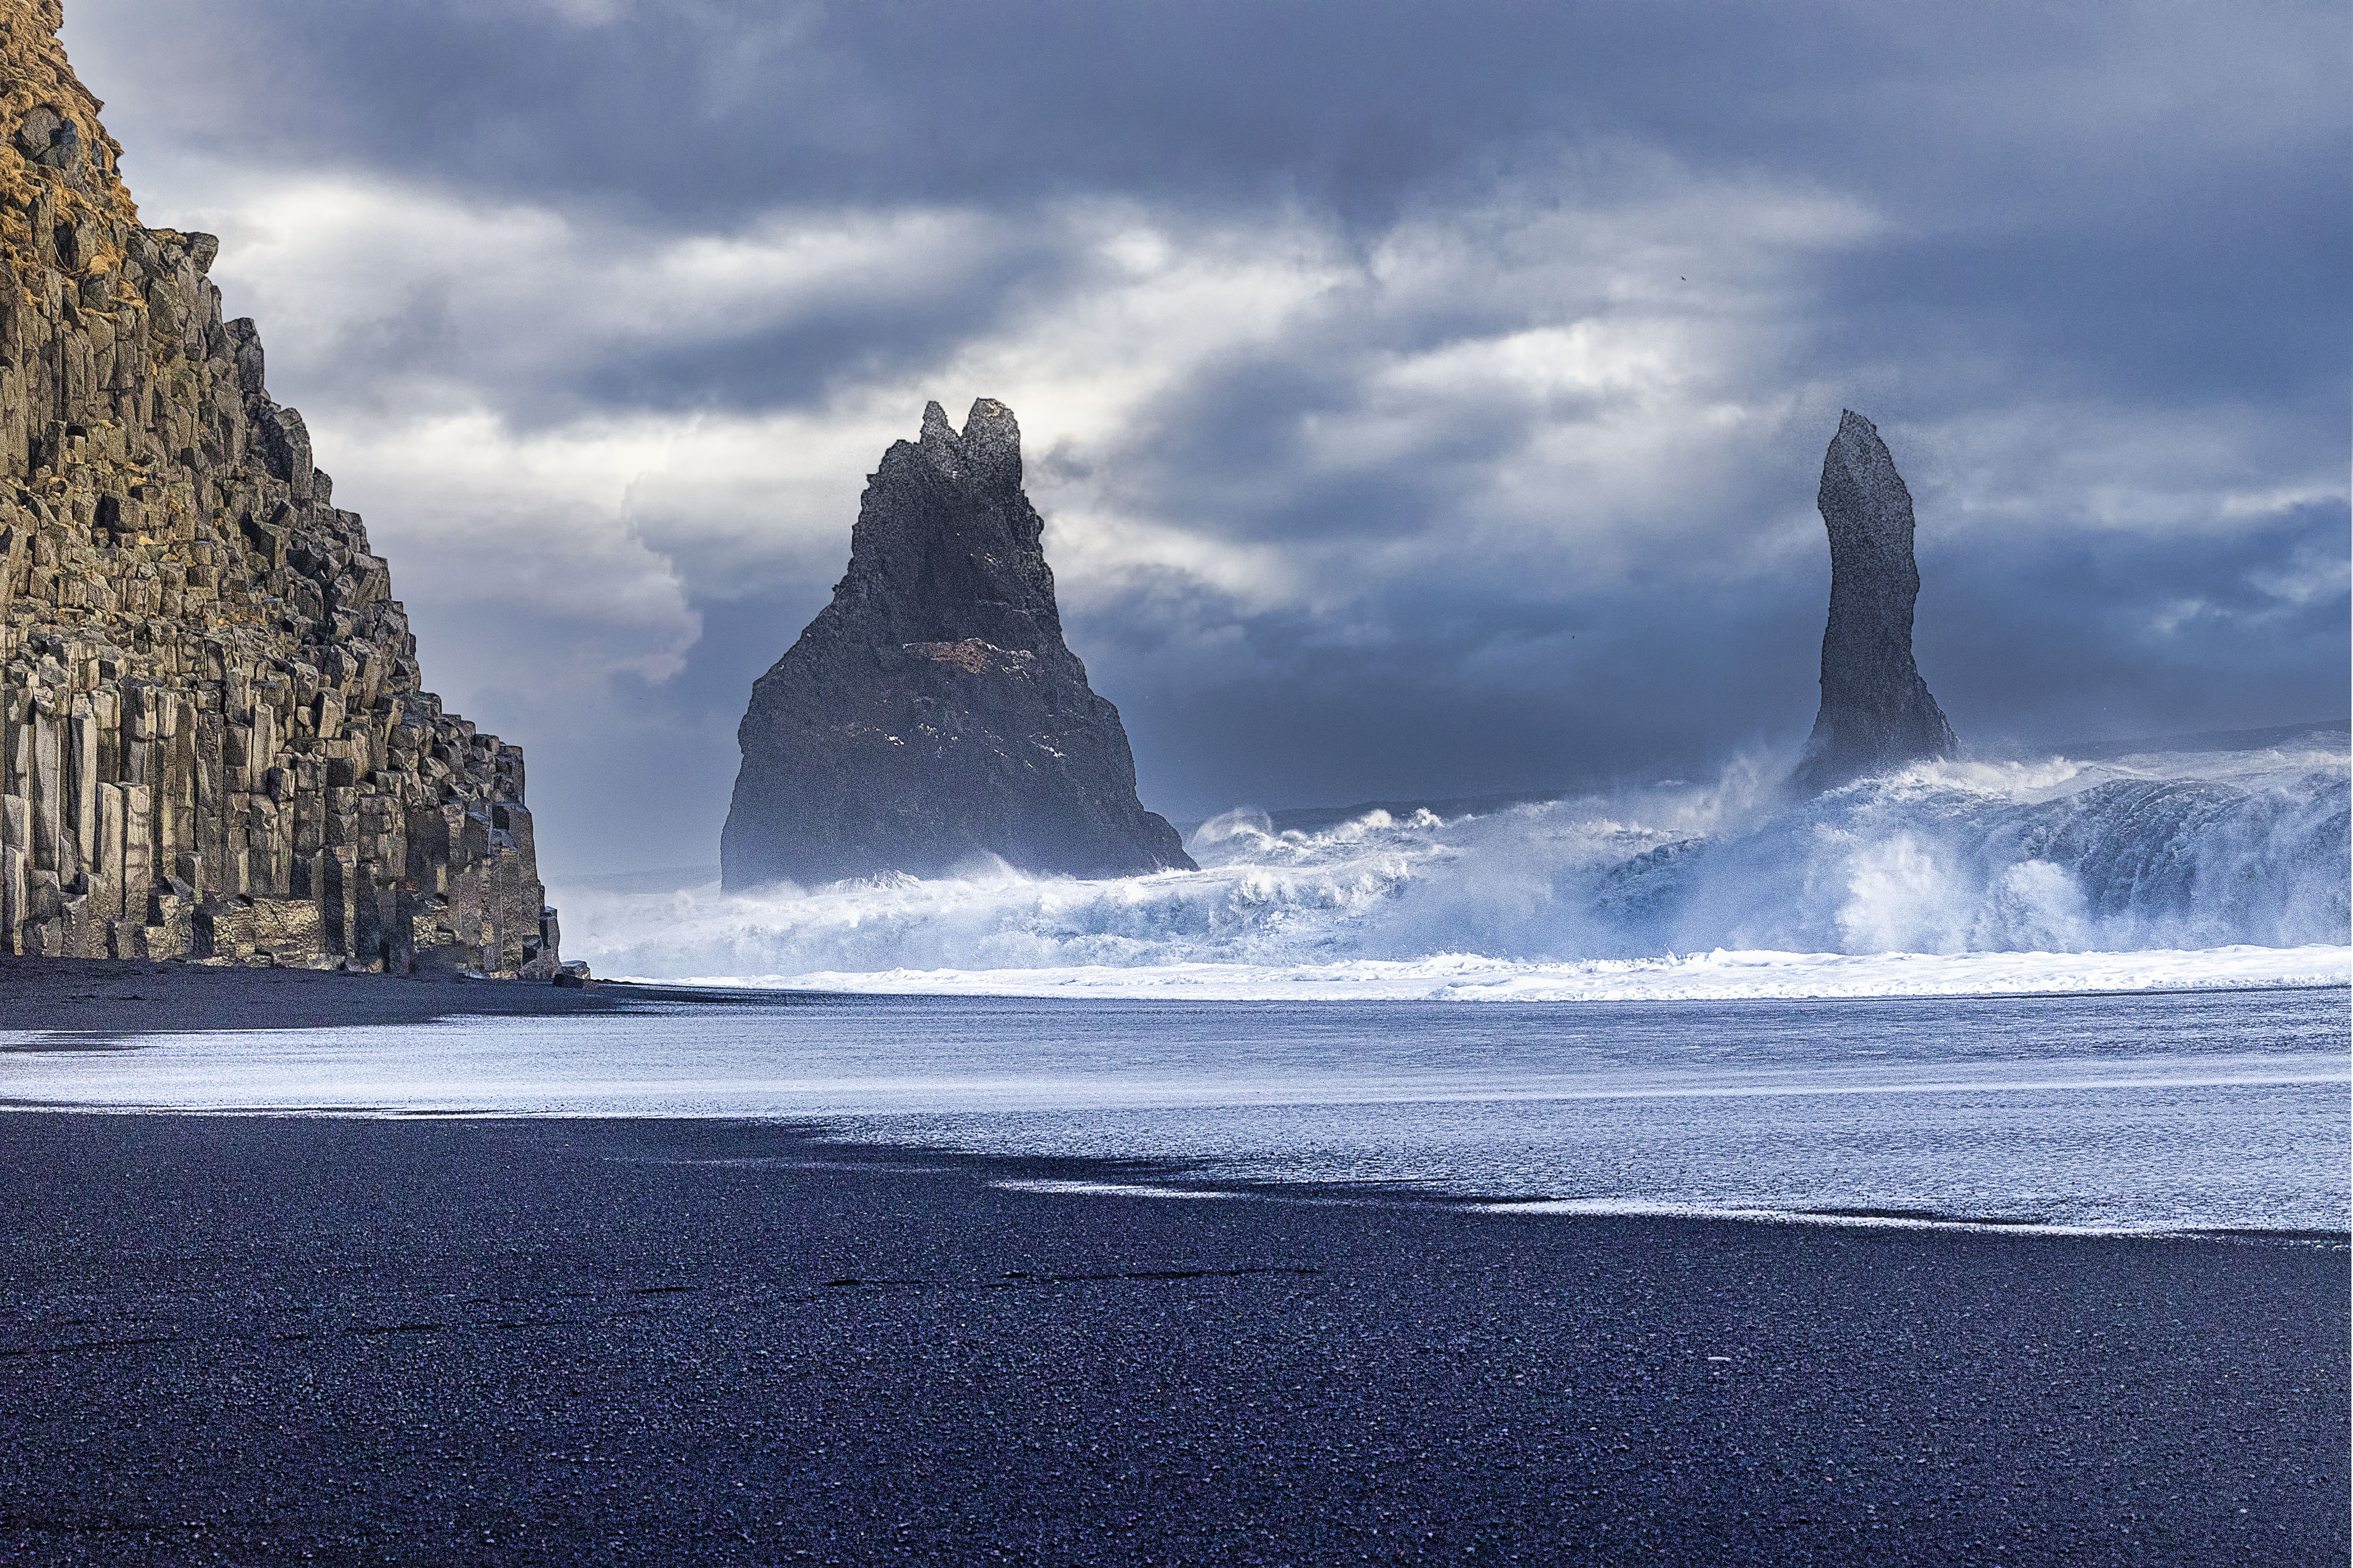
column 1944, row 879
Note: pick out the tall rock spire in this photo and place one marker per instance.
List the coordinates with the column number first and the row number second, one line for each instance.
column 1876, row 711
column 932, row 713
column 214, row 742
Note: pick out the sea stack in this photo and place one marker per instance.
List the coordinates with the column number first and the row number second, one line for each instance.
column 213, row 740
column 1876, row 711
column 931, row 715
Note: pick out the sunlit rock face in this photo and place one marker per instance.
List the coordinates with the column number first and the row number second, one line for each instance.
column 932, row 716
column 1876, row 712
column 213, row 740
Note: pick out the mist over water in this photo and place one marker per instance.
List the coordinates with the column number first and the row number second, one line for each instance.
column 2158, row 853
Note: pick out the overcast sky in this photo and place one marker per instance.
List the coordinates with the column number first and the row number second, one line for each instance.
column 1423, row 399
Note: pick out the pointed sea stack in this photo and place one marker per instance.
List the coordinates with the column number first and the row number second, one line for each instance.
column 932, row 712
column 214, row 739
column 1876, row 711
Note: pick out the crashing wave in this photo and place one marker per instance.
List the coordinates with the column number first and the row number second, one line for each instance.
column 2140, row 854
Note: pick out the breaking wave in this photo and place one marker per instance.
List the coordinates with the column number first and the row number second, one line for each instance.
column 2155, row 853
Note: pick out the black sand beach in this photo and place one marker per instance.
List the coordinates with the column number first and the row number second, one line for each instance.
column 246, row 1339
column 96, row 999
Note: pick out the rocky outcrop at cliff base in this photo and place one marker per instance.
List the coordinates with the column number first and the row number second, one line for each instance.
column 213, row 738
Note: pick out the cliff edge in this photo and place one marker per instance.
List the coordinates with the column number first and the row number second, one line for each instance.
column 1877, row 709
column 214, row 742
column 932, row 713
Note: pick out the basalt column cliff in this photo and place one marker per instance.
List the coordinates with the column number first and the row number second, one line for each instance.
column 1876, row 711
column 932, row 713
column 213, row 742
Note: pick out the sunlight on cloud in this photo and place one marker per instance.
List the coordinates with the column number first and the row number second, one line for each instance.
column 2101, row 467
column 561, row 549
column 1082, row 368
column 1523, row 378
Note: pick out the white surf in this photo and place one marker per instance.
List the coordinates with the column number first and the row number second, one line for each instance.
column 2154, row 871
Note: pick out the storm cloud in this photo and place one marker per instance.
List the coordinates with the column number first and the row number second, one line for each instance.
column 1423, row 400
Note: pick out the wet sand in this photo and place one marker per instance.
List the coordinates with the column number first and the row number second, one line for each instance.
column 246, row 1339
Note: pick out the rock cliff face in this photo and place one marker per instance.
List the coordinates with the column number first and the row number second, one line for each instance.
column 1876, row 711
column 213, row 742
column 932, row 712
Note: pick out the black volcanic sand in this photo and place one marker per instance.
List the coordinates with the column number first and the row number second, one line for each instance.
column 253, row 1339
column 98, row 999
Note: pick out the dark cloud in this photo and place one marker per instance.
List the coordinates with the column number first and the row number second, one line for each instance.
column 704, row 108
column 747, row 364
column 2239, row 290
column 2027, row 642
column 2075, row 636
column 2116, row 191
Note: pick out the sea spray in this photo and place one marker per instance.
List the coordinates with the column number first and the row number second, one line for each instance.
column 2145, row 854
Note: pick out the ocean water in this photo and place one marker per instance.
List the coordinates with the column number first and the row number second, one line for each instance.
column 2107, row 996
column 2161, row 870
column 2136, row 1112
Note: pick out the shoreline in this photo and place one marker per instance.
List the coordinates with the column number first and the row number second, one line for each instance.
column 91, row 1000
column 1746, row 977
column 235, row 1338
